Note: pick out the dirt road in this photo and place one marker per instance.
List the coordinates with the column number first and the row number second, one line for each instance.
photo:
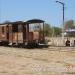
column 51, row 61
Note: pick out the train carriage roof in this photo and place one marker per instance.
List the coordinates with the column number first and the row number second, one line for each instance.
column 16, row 22
column 35, row 21
column 5, row 23
column 24, row 22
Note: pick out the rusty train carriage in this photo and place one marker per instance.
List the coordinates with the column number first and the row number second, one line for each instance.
column 19, row 33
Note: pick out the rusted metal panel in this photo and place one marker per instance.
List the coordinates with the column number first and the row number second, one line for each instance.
column 20, row 37
column 36, row 35
column 3, row 33
column 30, row 36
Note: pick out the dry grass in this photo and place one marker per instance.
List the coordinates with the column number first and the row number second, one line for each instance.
column 51, row 61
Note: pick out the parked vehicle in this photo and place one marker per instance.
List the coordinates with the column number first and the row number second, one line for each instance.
column 19, row 33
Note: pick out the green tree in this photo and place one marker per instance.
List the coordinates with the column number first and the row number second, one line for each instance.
column 69, row 24
column 56, row 31
column 47, row 29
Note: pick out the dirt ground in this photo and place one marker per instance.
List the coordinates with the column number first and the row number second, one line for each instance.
column 46, row 61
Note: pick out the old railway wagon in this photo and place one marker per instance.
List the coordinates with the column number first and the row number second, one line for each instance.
column 22, row 33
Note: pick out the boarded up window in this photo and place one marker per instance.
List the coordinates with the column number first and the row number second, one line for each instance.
column 15, row 28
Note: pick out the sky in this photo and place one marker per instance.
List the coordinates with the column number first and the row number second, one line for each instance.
column 47, row 10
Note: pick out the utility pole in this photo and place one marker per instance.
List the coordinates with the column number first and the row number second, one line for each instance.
column 62, row 19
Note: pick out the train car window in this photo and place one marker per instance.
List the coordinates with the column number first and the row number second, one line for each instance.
column 3, row 30
column 15, row 28
column 10, row 29
column 20, row 28
column 7, row 29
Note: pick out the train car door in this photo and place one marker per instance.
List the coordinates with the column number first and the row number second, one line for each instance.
column 7, row 33
column 24, row 33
